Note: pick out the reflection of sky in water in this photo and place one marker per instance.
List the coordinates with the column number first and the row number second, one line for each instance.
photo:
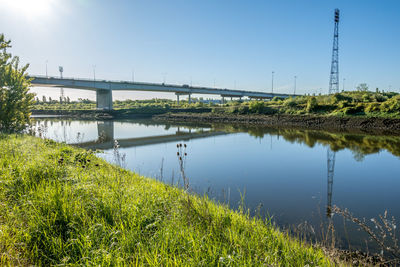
column 83, row 131
column 68, row 131
column 288, row 179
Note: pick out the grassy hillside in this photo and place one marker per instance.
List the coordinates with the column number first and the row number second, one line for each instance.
column 378, row 104
column 63, row 205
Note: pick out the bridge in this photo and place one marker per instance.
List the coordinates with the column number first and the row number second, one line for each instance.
column 104, row 89
column 106, row 138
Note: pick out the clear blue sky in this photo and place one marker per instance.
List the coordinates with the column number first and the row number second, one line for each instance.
column 207, row 40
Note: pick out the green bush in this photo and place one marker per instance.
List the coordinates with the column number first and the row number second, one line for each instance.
column 256, row 107
column 312, row 104
column 15, row 99
column 338, row 97
column 243, row 109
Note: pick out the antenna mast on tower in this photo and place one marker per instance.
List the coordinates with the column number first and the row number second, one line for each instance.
column 334, row 80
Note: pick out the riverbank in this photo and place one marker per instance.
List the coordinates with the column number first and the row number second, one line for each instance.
column 64, row 205
column 334, row 123
column 115, row 114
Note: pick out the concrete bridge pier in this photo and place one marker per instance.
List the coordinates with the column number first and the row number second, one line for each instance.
column 104, row 99
column 179, row 94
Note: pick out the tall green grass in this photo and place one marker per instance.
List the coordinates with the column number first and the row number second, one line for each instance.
column 63, row 205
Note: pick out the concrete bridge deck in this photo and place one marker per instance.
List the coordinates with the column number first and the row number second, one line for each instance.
column 104, row 89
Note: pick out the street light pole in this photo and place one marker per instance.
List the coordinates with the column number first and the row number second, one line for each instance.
column 295, row 84
column 343, row 83
column 46, row 68
column 272, row 85
column 94, row 72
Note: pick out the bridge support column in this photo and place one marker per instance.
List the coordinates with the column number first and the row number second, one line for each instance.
column 177, row 99
column 104, row 99
column 189, row 98
column 223, row 100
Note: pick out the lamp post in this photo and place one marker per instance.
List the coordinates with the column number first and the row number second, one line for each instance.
column 344, row 79
column 94, row 72
column 295, row 84
column 272, row 83
column 46, row 67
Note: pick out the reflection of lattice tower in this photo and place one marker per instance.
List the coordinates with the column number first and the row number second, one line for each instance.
column 334, row 80
column 331, row 170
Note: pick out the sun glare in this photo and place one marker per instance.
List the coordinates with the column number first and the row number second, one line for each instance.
column 28, row 8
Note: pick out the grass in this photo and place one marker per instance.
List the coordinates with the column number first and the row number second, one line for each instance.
column 63, row 205
column 139, row 106
column 354, row 103
column 344, row 104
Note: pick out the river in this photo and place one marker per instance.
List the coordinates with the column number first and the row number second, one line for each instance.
column 290, row 176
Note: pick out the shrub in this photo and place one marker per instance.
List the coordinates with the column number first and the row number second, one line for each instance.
column 366, row 98
column 15, row 99
column 380, row 98
column 372, row 107
column 290, row 103
column 312, row 104
column 342, row 104
column 256, row 107
column 243, row 109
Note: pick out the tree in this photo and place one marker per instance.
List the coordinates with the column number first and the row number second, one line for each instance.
column 44, row 99
column 15, row 99
column 362, row 87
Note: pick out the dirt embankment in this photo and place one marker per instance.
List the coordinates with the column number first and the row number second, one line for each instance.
column 359, row 124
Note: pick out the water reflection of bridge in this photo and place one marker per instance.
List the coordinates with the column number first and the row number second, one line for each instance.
column 106, row 139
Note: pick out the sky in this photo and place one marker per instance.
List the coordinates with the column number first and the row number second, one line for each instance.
column 232, row 44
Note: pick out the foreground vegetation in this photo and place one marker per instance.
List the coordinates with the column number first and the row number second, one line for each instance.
column 63, row 205
column 15, row 99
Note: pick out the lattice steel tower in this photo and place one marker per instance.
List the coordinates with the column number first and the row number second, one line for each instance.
column 334, row 81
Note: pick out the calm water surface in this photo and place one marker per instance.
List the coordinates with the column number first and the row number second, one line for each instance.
column 281, row 173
